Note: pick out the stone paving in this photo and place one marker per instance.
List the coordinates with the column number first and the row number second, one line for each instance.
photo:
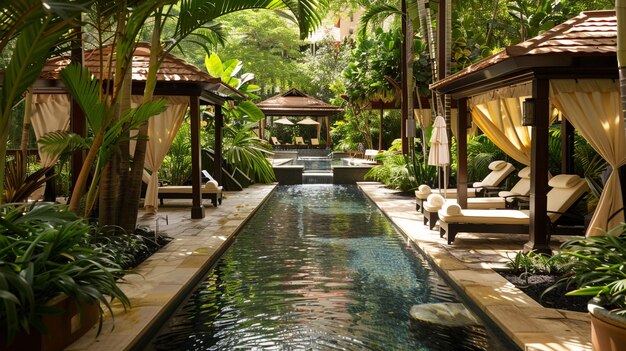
column 167, row 276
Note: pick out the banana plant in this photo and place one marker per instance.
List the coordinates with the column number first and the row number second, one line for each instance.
column 229, row 72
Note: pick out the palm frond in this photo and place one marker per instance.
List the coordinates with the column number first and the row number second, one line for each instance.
column 59, row 142
column 83, row 86
column 376, row 13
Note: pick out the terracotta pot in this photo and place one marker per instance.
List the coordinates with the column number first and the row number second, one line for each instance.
column 608, row 330
column 63, row 329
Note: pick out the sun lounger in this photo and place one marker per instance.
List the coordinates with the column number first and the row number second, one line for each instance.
column 299, row 141
column 566, row 191
column 210, row 190
column 499, row 171
column 505, row 199
column 315, row 142
column 275, row 141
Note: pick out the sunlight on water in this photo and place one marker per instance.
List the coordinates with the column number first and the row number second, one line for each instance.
column 317, row 268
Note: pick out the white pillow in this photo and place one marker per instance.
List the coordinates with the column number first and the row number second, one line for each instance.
column 424, row 189
column 524, row 173
column 211, row 185
column 452, row 209
column 497, row 165
column 435, row 200
column 564, row 181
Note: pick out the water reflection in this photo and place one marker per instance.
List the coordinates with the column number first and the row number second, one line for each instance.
column 317, row 268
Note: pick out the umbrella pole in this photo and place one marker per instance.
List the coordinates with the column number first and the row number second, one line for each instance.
column 445, row 182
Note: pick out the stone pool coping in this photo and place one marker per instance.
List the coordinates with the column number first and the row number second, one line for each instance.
column 166, row 277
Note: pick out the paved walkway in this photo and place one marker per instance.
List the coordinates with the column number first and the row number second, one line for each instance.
column 165, row 278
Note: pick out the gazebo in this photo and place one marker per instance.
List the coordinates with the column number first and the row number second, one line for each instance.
column 298, row 104
column 511, row 96
column 181, row 84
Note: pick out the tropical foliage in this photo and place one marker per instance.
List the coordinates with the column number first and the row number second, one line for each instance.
column 45, row 251
column 597, row 268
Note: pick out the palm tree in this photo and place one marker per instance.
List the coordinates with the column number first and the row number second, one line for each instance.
column 194, row 15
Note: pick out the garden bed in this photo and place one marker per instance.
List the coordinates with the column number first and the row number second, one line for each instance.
column 538, row 283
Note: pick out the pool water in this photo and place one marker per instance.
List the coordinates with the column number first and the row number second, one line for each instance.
column 318, row 267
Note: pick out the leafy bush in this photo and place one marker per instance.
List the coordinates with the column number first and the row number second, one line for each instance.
column 597, row 268
column 536, row 263
column 177, row 163
column 45, row 252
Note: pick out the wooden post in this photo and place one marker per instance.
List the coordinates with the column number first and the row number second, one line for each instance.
column 461, row 151
column 538, row 234
column 404, row 103
column 219, row 125
column 380, row 127
column 567, row 147
column 328, row 143
column 197, row 210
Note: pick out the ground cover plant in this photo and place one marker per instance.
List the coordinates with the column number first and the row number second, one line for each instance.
column 534, row 273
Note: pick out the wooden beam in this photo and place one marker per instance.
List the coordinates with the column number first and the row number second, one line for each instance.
column 538, row 233
column 197, row 210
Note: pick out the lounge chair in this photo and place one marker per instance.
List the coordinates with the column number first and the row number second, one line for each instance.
column 499, row 171
column 275, row 141
column 210, row 190
column 505, row 199
column 299, row 140
column 566, row 191
column 315, row 142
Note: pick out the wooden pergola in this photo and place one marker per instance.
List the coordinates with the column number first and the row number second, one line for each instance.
column 295, row 103
column 583, row 47
column 175, row 77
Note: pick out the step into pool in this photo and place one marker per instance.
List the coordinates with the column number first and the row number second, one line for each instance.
column 318, row 267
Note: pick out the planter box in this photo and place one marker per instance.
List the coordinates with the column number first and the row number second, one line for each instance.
column 608, row 330
column 63, row 329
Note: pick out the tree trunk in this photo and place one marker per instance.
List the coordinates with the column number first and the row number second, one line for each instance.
column 81, row 182
column 26, row 128
column 131, row 195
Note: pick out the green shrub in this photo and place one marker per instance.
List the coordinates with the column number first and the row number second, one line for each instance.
column 45, row 252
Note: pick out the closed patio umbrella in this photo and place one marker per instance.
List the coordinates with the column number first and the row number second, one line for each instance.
column 439, row 150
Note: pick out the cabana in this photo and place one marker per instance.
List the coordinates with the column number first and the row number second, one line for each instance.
column 511, row 95
column 295, row 103
column 183, row 86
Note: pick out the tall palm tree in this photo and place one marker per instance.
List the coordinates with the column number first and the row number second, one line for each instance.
column 193, row 15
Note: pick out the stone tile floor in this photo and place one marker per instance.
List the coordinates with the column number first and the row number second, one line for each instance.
column 164, row 279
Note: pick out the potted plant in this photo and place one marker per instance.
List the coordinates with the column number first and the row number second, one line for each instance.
column 52, row 279
column 598, row 269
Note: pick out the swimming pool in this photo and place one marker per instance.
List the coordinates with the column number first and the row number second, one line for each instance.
column 318, row 267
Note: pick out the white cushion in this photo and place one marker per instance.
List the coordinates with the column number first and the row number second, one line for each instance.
column 497, row 165
column 211, row 185
column 452, row 210
column 423, row 189
column 436, row 200
column 486, row 202
column 487, row 217
column 524, row 173
column 564, row 181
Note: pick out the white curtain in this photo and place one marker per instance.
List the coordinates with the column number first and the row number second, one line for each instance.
column 50, row 113
column 162, row 130
column 498, row 114
column 594, row 109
